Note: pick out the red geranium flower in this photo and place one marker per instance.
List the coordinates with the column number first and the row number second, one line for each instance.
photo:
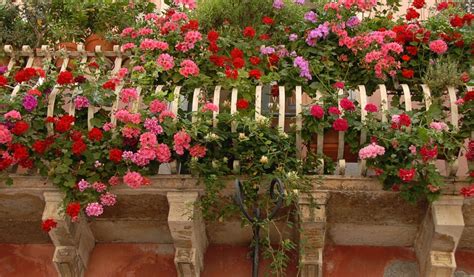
column 20, row 152
column 76, row 135
column 213, row 47
column 467, row 18
column 405, row 120
column 412, row 50
column 34, row 92
column 115, row 155
column 25, row 74
column 64, row 78
column 264, row 37
column 73, row 209
column 469, row 96
column 317, row 111
column 412, row 14
column 340, row 125
column 408, row 73
column 78, row 147
column 429, row 154
column 255, row 73
column 249, row 32
column 242, row 104
column 95, row 134
column 48, row 224
column 217, row 60
column 347, row 104
column 267, row 20
column 20, row 128
column 238, row 63
column 109, row 85
column 371, row 108
column 40, row 146
column 273, row 59
column 406, row 58
column 236, row 53
column 212, row 35
column 406, row 174
column 192, row 25
column 442, row 6
column 418, row 4
column 456, row 21
column 254, row 60
column 467, row 191
column 64, row 123
column 231, row 73
column 3, row 81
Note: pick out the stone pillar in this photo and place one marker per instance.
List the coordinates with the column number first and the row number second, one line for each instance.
column 438, row 237
column 188, row 231
column 312, row 222
column 74, row 241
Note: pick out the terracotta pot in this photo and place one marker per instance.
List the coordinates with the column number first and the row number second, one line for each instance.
column 70, row 46
column 331, row 142
column 4, row 61
column 93, row 40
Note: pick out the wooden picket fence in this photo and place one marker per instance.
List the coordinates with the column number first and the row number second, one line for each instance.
column 46, row 55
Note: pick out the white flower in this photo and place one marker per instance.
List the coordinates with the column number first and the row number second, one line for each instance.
column 242, row 136
column 264, row 160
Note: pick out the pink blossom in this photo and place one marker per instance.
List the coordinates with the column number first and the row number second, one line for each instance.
column 148, row 140
column 83, row 185
column 94, row 209
column 177, row 16
column 122, row 73
column 192, row 37
column 13, row 114
column 188, row 68
column 182, row 141
column 210, row 107
column 156, row 106
column 130, row 132
column 151, row 44
column 127, row 155
column 145, row 31
column 396, row 118
column 190, row 4
column 108, row 126
column 198, row 151
column 81, row 102
column 166, row 61
column 108, row 199
column 114, row 180
column 163, row 153
column 99, row 186
column 128, row 94
column 133, row 179
column 438, row 46
column 127, row 31
column 5, row 135
column 412, row 149
column 371, row 151
column 127, row 117
column 184, row 46
column 128, row 46
column 152, row 125
column 150, row 16
column 138, row 68
column 460, row 101
column 166, row 114
column 143, row 157
column 439, row 126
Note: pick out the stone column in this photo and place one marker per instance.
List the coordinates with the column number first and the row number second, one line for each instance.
column 74, row 241
column 438, row 237
column 312, row 222
column 188, row 231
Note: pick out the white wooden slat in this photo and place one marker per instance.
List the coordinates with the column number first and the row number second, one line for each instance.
column 195, row 103
column 90, row 116
column 407, row 97
column 233, row 107
column 299, row 120
column 282, row 108
column 118, row 60
column 258, row 102
column 454, row 107
column 136, row 104
column 9, row 50
column 31, row 55
column 426, row 96
column 176, row 97
column 216, row 100
column 115, row 106
column 384, row 102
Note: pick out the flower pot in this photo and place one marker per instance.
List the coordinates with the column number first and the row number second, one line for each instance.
column 93, row 40
column 69, row 46
column 331, row 144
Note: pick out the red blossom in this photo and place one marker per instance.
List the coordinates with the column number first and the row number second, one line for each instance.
column 371, row 108
column 115, row 155
column 340, row 125
column 412, row 50
column 231, row 73
column 467, row 18
column 242, row 104
column 267, row 20
column 238, row 63
column 418, row 4
column 469, row 96
column 273, row 59
column 467, row 191
column 236, row 53
column 317, row 111
column 347, row 104
column 64, row 78
column 3, row 81
column 64, row 123
column 198, row 151
column 48, row 224
column 40, row 146
column 264, row 37
column 73, row 209
column 442, row 6
column 192, row 25
column 456, row 21
column 255, row 73
column 406, row 174
column 412, row 14
column 213, row 47
column 76, row 135
column 408, row 73
column 254, row 60
column 249, row 32
column 25, row 74
column 20, row 152
column 95, row 134
column 78, row 147
column 212, row 35
column 429, row 154
column 109, row 85
column 406, row 58
column 217, row 60
column 20, row 128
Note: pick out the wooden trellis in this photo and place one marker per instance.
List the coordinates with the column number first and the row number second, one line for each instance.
column 46, row 55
